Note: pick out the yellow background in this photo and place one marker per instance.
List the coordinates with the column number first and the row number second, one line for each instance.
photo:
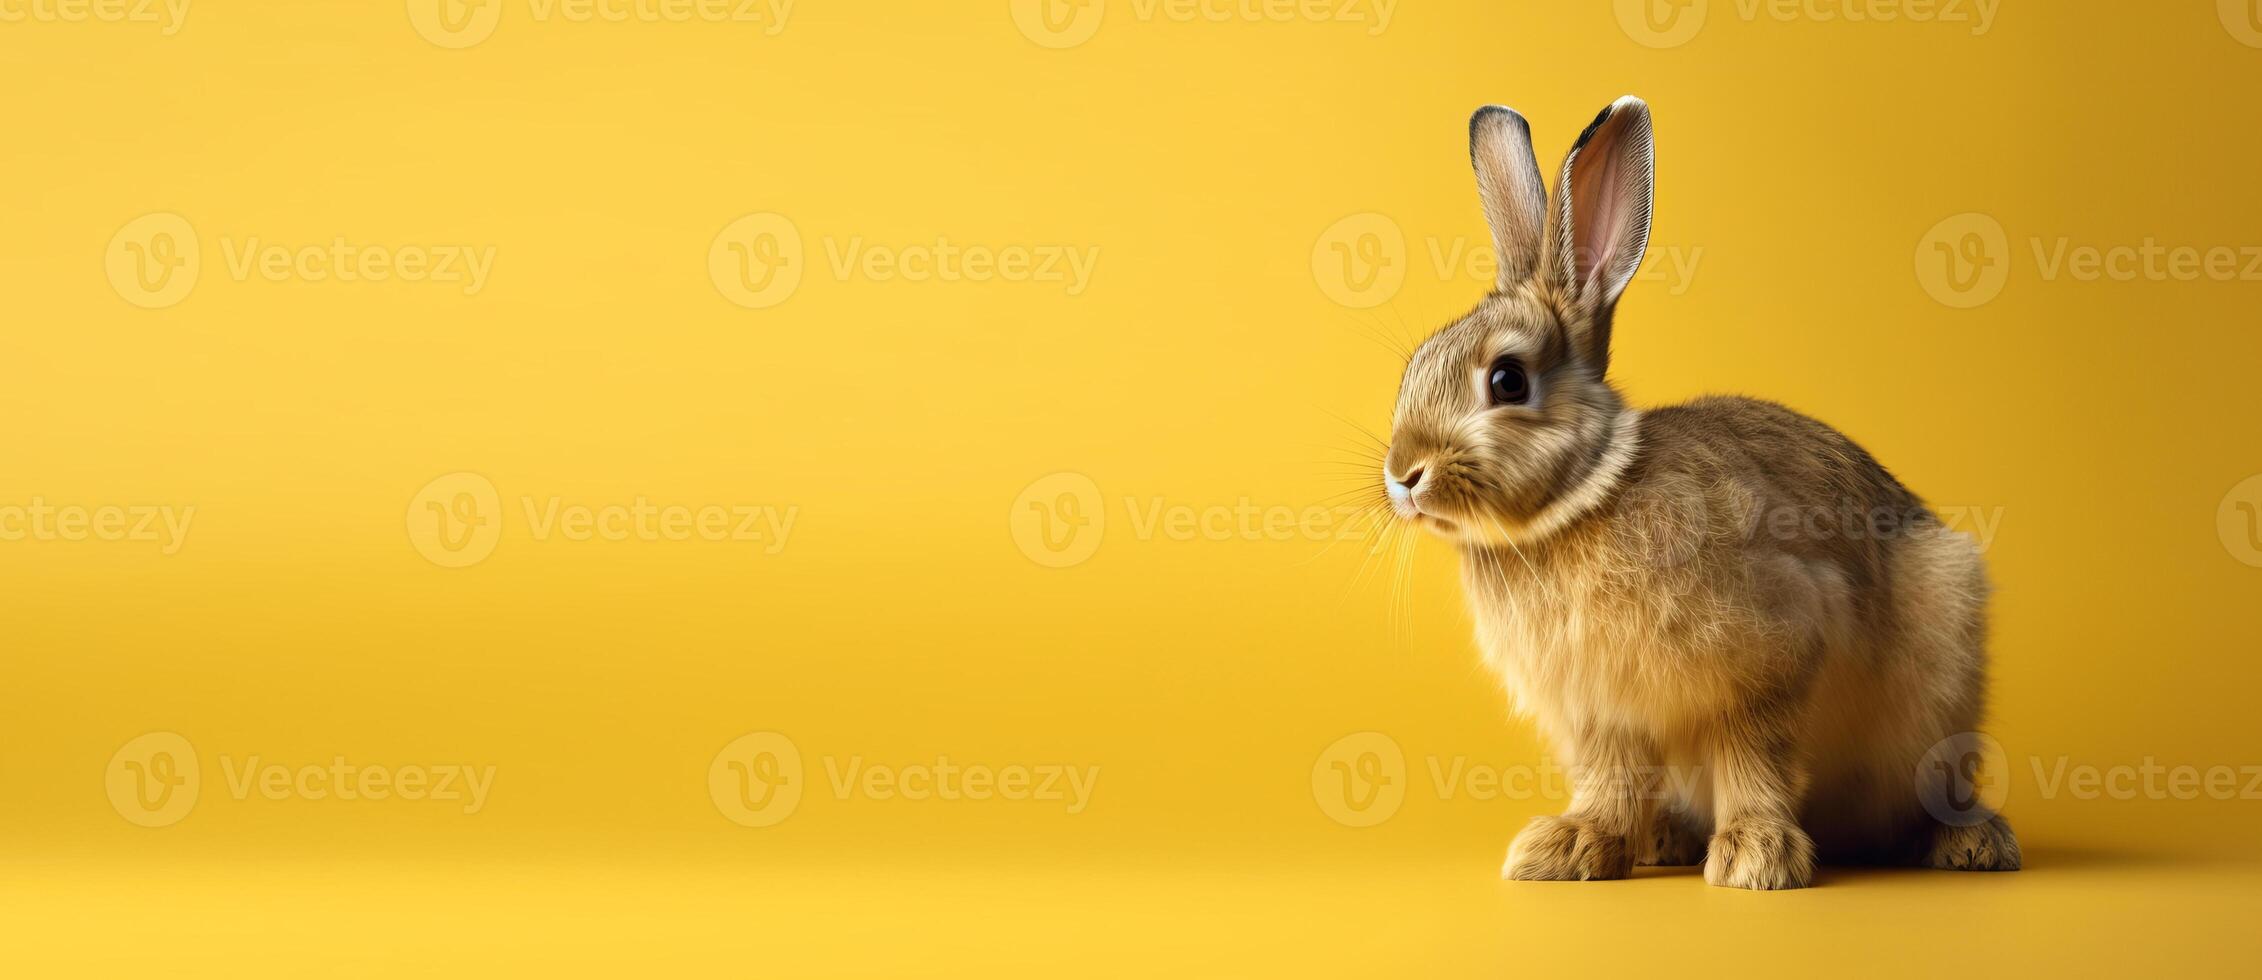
column 1802, row 163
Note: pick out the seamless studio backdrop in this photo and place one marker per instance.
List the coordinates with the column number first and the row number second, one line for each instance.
column 865, row 488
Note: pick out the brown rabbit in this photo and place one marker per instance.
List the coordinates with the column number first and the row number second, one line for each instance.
column 1746, row 638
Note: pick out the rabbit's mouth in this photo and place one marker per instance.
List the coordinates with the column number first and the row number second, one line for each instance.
column 1463, row 522
column 1447, row 528
column 1420, row 508
column 1438, row 494
column 1436, row 523
column 1424, row 517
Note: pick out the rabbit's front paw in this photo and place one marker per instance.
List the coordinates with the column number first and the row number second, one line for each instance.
column 1760, row 854
column 1567, row 849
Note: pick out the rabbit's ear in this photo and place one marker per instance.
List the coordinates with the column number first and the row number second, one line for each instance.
column 1600, row 225
column 1508, row 181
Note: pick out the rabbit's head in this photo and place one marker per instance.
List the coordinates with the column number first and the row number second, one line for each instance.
column 1505, row 419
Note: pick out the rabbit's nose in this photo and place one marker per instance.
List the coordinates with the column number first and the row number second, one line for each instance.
column 1401, row 488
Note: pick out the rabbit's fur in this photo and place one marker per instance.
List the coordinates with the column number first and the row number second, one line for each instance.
column 1745, row 636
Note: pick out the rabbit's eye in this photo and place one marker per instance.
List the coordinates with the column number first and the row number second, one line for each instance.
column 1509, row 382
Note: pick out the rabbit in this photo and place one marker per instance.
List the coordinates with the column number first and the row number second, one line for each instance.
column 1747, row 641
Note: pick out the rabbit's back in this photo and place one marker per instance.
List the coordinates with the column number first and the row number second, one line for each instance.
column 1746, row 552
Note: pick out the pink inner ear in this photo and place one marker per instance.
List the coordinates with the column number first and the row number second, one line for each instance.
column 1597, row 204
